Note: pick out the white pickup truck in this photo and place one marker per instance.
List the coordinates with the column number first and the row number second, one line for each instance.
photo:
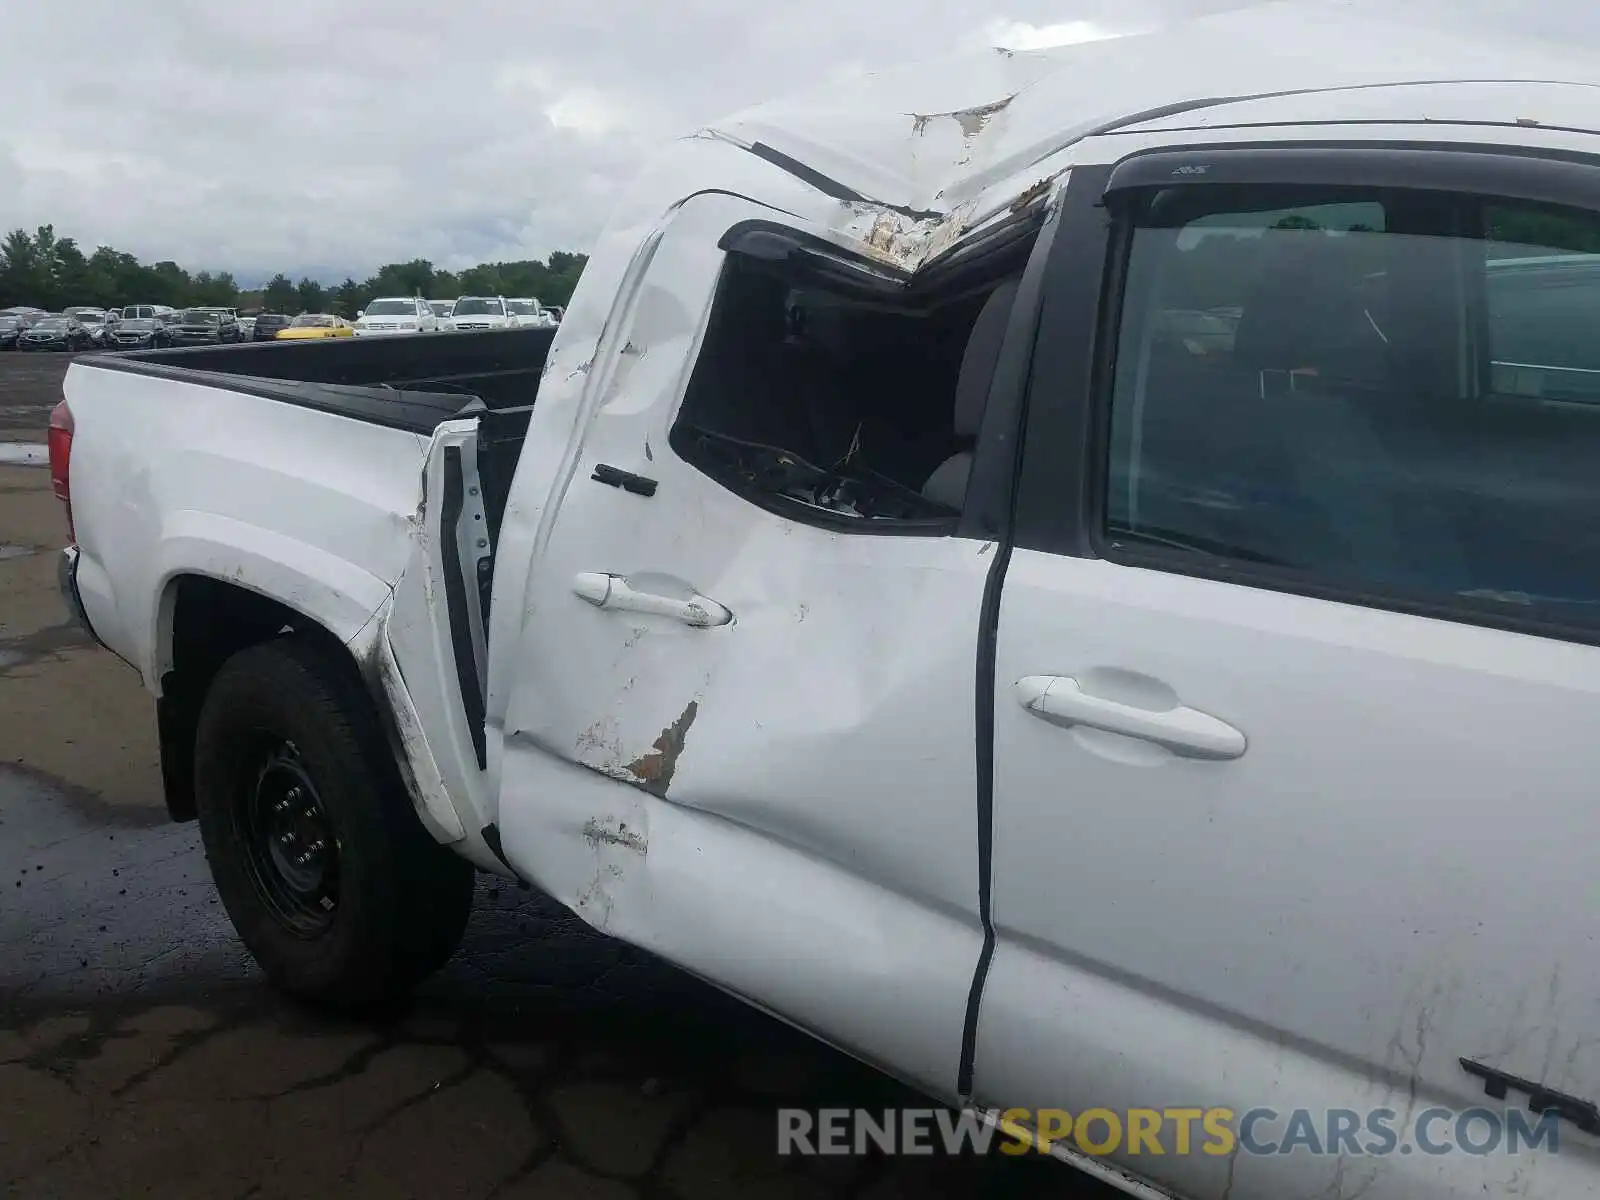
column 1087, row 597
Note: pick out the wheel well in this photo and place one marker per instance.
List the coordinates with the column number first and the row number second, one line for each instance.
column 211, row 622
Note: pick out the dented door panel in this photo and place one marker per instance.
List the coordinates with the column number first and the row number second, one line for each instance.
column 782, row 801
column 823, row 715
column 873, row 970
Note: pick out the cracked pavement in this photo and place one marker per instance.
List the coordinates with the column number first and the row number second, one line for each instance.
column 141, row 1053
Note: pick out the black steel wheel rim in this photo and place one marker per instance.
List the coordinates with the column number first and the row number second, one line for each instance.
column 290, row 848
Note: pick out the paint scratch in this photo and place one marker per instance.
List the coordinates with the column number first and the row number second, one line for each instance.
column 653, row 771
column 598, row 833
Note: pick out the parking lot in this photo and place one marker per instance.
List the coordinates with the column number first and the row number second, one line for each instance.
column 140, row 1053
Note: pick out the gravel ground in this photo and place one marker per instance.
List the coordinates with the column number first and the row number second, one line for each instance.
column 140, row 1054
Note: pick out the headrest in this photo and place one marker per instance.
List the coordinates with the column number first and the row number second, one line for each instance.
column 980, row 359
column 1304, row 311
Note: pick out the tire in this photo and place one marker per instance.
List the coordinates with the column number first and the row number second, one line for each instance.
column 380, row 905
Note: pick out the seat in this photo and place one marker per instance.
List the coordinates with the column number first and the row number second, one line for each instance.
column 947, row 484
column 1305, row 314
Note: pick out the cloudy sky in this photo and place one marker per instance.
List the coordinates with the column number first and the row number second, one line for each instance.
column 330, row 136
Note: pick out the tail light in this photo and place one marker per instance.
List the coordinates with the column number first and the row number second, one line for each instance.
column 59, row 439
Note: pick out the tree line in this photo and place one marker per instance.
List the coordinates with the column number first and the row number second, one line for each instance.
column 53, row 272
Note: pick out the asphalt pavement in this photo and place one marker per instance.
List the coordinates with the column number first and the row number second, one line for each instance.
column 141, row 1054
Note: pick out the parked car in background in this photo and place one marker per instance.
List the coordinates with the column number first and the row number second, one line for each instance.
column 232, row 314
column 136, row 312
column 247, row 328
column 316, row 325
column 203, row 327
column 56, row 332
column 390, row 315
column 527, row 313
column 96, row 321
column 141, row 333
column 266, row 326
column 481, row 312
column 229, row 319
column 443, row 312
column 10, row 330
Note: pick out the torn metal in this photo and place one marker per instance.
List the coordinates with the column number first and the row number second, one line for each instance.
column 918, row 157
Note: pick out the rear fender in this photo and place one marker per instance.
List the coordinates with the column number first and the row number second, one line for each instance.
column 336, row 594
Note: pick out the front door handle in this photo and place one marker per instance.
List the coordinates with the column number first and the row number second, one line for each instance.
column 660, row 597
column 1187, row 732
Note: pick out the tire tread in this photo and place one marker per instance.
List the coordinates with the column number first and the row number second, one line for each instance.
column 414, row 894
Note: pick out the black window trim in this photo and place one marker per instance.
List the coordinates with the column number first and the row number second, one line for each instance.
column 1082, row 276
column 1510, row 172
column 1065, row 516
column 987, row 513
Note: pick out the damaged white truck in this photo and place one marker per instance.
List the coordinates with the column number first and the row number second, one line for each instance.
column 1073, row 576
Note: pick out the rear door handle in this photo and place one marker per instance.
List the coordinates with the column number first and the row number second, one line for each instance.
column 1187, row 732
column 620, row 593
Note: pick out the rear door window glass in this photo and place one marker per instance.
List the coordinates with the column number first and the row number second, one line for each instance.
column 1391, row 393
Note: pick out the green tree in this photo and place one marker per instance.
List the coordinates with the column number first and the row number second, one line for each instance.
column 312, row 297
column 1544, row 230
column 47, row 264
column 347, row 299
column 482, row 280
column 169, row 284
column 71, row 283
column 21, row 278
column 280, row 296
column 118, row 278
column 217, row 290
column 402, row 279
column 43, row 269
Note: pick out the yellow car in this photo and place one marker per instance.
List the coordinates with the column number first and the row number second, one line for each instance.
column 316, row 325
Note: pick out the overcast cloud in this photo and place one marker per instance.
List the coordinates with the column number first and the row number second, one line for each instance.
column 330, row 136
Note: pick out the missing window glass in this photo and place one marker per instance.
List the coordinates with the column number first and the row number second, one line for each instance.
column 838, row 410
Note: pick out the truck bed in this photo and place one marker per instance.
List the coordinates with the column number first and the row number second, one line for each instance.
column 290, row 469
column 409, row 383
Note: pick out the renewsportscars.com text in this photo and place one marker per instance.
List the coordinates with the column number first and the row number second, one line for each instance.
column 1102, row 1132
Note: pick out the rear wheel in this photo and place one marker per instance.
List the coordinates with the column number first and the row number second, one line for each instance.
column 330, row 879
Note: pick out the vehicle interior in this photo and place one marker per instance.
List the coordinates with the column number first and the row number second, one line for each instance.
column 1335, row 400
column 831, row 394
